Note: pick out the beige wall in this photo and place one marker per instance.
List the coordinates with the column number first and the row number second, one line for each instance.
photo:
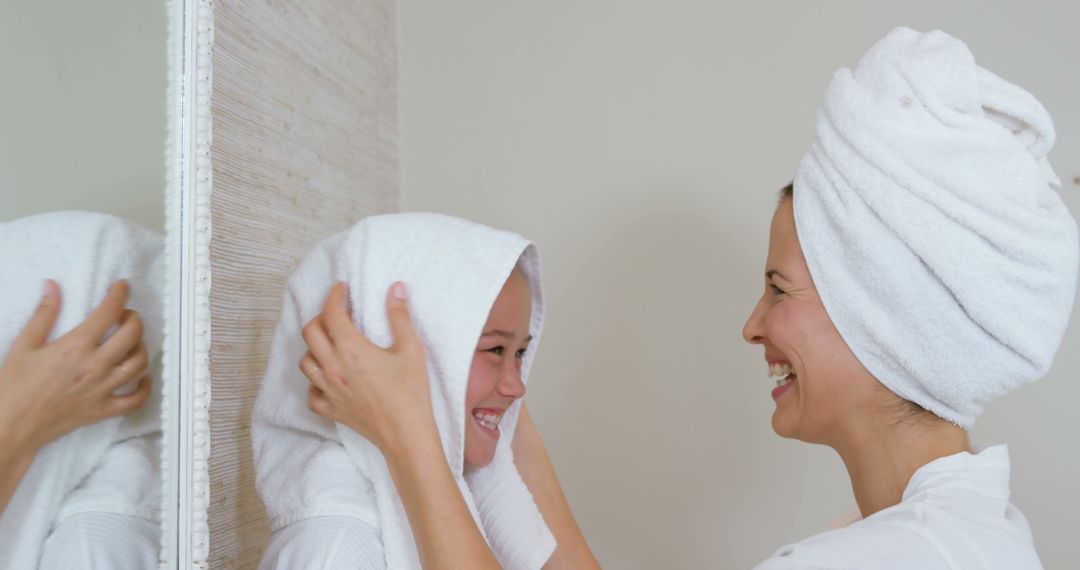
column 305, row 143
column 82, row 108
column 641, row 145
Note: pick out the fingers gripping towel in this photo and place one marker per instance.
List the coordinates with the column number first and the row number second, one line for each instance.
column 307, row 466
column 109, row 466
column 926, row 214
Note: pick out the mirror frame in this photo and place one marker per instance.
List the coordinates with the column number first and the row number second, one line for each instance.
column 186, row 393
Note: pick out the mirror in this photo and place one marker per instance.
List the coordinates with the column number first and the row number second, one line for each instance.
column 85, row 103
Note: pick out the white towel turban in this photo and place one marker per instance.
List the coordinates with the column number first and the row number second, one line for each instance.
column 925, row 210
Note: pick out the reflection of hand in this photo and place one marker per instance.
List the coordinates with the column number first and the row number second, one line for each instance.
column 49, row 389
column 382, row 394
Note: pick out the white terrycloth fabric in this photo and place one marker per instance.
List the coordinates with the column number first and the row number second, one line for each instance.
column 102, row 541
column 109, row 466
column 926, row 214
column 309, row 467
column 325, row 543
column 955, row 514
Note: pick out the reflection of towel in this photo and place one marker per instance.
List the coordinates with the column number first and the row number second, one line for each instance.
column 109, row 466
column 924, row 209
column 308, row 467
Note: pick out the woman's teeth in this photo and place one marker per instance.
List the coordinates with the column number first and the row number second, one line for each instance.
column 488, row 420
column 782, row 372
column 777, row 369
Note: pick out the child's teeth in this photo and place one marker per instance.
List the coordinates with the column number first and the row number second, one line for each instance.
column 490, row 421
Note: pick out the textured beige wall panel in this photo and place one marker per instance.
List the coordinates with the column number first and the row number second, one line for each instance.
column 304, row 107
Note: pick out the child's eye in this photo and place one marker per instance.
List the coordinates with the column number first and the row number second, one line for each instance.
column 520, row 354
column 497, row 351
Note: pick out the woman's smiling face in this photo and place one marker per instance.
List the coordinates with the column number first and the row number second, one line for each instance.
column 495, row 377
column 828, row 388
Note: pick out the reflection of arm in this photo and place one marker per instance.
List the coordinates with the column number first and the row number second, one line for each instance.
column 539, row 475
column 15, row 460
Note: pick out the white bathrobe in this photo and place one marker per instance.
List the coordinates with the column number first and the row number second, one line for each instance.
column 955, row 514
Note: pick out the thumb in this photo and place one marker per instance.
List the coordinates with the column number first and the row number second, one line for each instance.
column 397, row 313
column 36, row 332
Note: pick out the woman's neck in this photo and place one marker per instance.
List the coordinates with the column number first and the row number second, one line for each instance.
column 882, row 455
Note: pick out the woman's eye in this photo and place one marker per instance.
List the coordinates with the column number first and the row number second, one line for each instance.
column 776, row 290
column 498, row 350
column 520, row 353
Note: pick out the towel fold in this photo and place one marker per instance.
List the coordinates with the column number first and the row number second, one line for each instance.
column 309, row 467
column 109, row 466
column 925, row 211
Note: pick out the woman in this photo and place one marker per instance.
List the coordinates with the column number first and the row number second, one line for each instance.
column 919, row 267
column 479, row 307
column 925, row 500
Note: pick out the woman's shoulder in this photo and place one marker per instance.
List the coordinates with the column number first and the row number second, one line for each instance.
column 921, row 535
column 860, row 545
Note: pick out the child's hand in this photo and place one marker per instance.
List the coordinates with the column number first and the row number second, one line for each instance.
column 382, row 394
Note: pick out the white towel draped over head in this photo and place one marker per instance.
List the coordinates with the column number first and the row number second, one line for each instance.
column 307, row 466
column 925, row 210
column 110, row 466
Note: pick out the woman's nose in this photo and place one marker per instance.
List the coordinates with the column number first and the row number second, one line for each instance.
column 753, row 331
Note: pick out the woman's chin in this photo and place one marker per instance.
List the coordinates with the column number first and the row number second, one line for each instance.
column 791, row 426
column 783, row 424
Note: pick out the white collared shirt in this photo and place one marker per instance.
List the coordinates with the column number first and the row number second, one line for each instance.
column 955, row 514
